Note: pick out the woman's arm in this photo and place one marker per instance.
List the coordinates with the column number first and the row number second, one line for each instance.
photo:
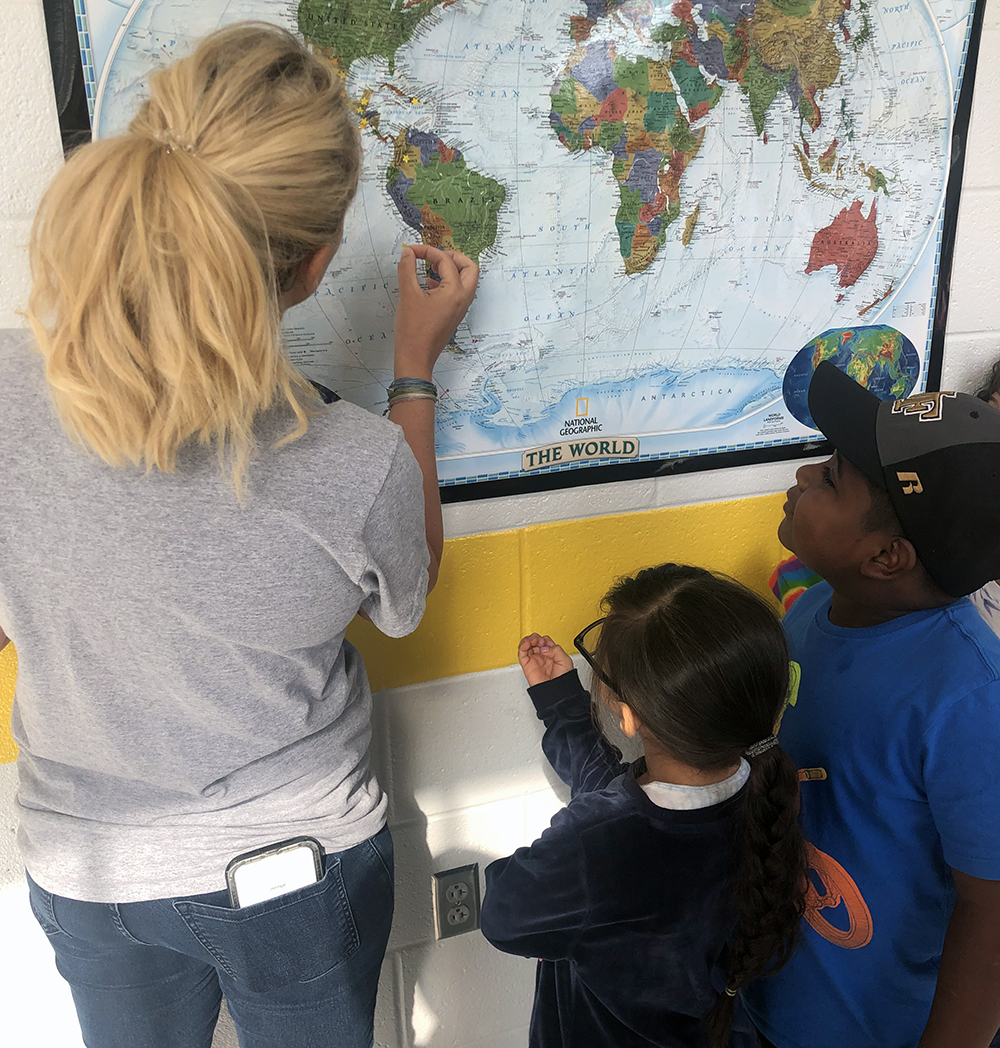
column 426, row 319
column 416, row 418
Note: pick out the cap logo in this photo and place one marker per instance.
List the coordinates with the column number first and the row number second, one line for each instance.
column 926, row 406
column 911, row 483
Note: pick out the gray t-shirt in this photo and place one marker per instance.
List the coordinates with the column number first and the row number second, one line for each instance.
column 185, row 692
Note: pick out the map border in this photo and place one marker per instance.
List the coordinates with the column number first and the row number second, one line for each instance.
column 496, row 485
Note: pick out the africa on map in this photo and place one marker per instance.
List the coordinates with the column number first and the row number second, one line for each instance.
column 668, row 202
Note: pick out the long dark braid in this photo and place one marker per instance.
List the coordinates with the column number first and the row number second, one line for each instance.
column 702, row 662
column 770, row 882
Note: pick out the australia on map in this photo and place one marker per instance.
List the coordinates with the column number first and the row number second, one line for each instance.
column 667, row 200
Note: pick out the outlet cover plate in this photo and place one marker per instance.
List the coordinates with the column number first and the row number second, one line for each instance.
column 456, row 900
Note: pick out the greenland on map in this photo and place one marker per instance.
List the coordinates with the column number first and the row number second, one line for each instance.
column 670, row 202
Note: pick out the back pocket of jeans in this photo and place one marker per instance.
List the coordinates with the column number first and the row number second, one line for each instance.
column 41, row 903
column 294, row 938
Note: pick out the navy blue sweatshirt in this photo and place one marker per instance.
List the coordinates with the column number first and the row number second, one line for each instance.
column 629, row 905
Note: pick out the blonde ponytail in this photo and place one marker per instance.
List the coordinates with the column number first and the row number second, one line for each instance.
column 158, row 257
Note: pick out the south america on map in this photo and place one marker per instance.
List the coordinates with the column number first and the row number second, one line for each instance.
column 668, row 201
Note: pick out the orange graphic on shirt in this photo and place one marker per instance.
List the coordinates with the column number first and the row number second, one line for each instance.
column 838, row 889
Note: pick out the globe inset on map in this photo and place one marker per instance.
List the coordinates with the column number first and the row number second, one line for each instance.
column 878, row 357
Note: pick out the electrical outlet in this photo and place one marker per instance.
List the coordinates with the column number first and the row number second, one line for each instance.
column 456, row 900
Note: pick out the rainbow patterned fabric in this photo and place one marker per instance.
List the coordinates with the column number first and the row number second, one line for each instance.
column 791, row 578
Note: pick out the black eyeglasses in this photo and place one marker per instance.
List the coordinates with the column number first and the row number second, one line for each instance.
column 579, row 642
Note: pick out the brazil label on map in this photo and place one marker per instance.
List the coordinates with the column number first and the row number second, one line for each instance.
column 668, row 202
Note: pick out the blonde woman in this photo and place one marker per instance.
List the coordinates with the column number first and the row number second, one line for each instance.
column 186, row 531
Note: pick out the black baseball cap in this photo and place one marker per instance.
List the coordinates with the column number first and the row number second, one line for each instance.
column 938, row 457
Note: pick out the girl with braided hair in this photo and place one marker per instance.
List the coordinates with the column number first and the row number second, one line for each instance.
column 667, row 884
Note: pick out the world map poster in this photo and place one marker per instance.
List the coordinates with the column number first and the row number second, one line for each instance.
column 678, row 208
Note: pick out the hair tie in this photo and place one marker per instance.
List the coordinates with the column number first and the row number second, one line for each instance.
column 731, row 991
column 171, row 141
column 761, row 747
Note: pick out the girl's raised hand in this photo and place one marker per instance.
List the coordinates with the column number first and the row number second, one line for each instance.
column 426, row 318
column 542, row 659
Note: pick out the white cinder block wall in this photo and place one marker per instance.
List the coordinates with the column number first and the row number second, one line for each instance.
column 459, row 757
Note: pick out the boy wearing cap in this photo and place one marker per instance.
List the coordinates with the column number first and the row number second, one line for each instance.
column 896, row 727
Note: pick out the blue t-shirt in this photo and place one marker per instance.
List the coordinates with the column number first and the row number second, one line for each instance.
column 897, row 731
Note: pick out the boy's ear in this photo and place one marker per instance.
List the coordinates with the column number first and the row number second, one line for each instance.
column 896, row 558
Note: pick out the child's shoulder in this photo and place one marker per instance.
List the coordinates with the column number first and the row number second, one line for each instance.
column 592, row 812
column 590, row 808
column 972, row 646
column 943, row 652
column 954, row 640
column 987, row 603
column 624, row 807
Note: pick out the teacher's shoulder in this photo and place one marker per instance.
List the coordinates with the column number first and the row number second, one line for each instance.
column 347, row 429
column 23, row 394
column 347, row 447
column 19, row 359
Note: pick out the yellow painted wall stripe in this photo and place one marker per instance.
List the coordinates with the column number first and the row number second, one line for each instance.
column 495, row 588
column 567, row 568
column 471, row 622
column 8, row 674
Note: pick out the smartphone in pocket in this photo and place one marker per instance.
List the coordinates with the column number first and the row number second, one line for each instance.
column 274, row 870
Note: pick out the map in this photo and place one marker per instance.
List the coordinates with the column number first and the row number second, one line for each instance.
column 669, row 201
column 879, row 357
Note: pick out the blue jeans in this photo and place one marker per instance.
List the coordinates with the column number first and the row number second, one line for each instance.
column 299, row 971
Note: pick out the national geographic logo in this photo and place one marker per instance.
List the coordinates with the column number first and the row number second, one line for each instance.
column 580, row 451
column 583, row 423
